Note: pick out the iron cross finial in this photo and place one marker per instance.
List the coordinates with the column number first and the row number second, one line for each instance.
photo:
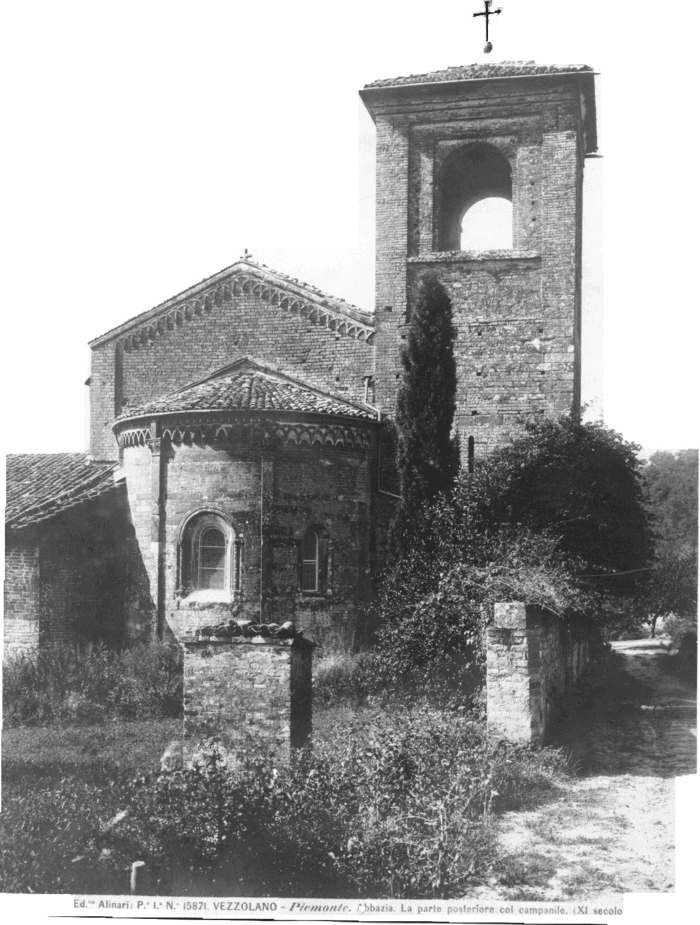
column 487, row 13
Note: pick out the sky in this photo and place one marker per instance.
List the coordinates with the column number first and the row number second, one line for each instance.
column 147, row 144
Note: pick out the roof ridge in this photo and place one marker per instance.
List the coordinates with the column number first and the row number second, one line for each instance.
column 217, row 283
column 482, row 71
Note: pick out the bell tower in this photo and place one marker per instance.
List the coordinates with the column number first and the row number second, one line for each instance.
column 479, row 180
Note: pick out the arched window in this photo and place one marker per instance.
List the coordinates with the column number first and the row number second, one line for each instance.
column 314, row 559
column 209, row 557
column 474, row 200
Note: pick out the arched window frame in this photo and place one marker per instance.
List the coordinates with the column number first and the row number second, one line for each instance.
column 495, row 182
column 190, row 578
column 320, row 581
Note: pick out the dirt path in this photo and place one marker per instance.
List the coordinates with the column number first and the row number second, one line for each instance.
column 611, row 829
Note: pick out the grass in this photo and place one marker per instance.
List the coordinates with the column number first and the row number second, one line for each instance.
column 91, row 683
column 393, row 802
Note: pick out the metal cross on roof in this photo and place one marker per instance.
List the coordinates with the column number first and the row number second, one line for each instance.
column 487, row 13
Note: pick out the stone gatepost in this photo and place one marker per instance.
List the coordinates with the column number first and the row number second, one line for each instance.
column 251, row 692
column 515, row 705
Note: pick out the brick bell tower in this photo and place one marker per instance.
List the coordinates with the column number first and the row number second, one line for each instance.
column 479, row 180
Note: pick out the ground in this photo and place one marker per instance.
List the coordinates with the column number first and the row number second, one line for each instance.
column 609, row 829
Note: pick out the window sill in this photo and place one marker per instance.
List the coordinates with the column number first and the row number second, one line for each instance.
column 315, row 595
column 475, row 256
column 206, row 597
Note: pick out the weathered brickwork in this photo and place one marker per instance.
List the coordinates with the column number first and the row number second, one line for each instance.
column 531, row 659
column 22, row 597
column 65, row 579
column 517, row 311
column 250, row 693
column 243, row 324
column 269, row 497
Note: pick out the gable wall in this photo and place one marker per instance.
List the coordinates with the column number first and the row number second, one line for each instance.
column 245, row 325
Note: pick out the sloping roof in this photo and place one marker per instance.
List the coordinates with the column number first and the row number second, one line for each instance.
column 41, row 485
column 247, row 271
column 482, row 72
column 248, row 385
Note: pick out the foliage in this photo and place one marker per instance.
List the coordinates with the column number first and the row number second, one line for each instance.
column 345, row 676
column 672, row 584
column 437, row 601
column 84, row 684
column 672, row 497
column 428, row 454
column 580, row 481
column 399, row 807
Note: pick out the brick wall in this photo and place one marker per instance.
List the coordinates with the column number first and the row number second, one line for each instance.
column 532, row 658
column 65, row 578
column 517, row 312
column 269, row 498
column 245, row 325
column 22, row 598
column 251, row 693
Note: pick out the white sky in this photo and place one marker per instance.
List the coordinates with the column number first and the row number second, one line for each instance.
column 148, row 143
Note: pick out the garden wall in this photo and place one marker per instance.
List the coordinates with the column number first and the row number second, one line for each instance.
column 250, row 692
column 532, row 657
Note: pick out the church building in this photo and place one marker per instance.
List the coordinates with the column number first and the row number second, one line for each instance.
column 241, row 432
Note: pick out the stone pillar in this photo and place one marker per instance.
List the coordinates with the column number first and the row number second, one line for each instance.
column 251, row 692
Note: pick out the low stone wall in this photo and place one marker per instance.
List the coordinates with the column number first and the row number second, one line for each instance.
column 532, row 657
column 250, row 692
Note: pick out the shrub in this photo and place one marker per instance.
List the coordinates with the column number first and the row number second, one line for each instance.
column 90, row 683
column 398, row 809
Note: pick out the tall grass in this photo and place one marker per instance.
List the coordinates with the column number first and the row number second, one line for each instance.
column 90, row 683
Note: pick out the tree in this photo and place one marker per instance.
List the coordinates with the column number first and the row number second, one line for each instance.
column 672, row 497
column 539, row 521
column 428, row 453
column 581, row 481
column 672, row 586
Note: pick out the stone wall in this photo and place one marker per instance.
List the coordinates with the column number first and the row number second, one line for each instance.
column 249, row 692
column 22, row 598
column 239, row 325
column 269, row 498
column 532, row 658
column 65, row 578
column 517, row 312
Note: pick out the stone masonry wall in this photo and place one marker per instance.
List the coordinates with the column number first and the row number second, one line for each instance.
column 532, row 658
column 243, row 326
column 22, row 598
column 269, row 498
column 64, row 578
column 517, row 312
column 251, row 693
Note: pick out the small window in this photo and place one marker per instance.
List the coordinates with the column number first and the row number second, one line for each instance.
column 209, row 558
column 211, row 567
column 314, row 562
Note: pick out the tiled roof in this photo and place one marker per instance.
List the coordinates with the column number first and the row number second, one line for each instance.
column 41, row 485
column 482, row 72
column 256, row 273
column 251, row 386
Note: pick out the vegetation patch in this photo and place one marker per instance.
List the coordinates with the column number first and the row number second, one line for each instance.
column 87, row 684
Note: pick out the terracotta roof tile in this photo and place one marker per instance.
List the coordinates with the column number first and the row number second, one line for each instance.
column 249, row 386
column 482, row 72
column 41, row 485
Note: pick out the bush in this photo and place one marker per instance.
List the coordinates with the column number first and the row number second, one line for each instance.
column 346, row 676
column 91, row 683
column 399, row 809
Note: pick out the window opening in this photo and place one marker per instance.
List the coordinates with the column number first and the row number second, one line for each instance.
column 212, row 559
column 474, row 200
column 309, row 562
